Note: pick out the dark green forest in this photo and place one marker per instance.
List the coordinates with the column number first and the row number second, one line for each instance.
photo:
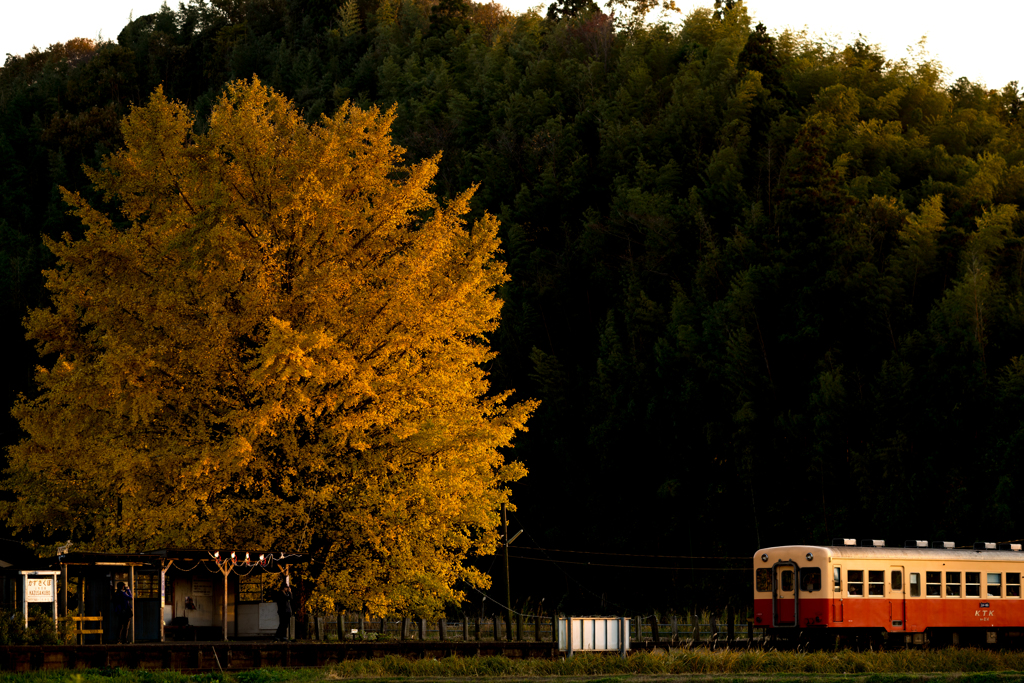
column 769, row 290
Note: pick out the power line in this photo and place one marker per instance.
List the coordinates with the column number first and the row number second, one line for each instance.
column 667, row 557
column 567, row 575
column 524, row 614
column 631, row 566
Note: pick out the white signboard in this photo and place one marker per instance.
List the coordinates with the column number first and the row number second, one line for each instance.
column 40, row 590
column 268, row 616
column 201, row 588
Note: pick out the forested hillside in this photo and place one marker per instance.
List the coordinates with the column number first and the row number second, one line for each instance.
column 768, row 290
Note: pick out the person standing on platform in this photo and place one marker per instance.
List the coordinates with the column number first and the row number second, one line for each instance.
column 284, row 612
column 123, row 611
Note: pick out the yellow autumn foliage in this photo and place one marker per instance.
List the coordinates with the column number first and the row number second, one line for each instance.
column 276, row 341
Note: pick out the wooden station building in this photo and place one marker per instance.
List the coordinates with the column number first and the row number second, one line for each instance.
column 178, row 594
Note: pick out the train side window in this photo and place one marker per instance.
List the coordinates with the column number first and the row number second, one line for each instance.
column 876, row 582
column 933, row 583
column 915, row 585
column 973, row 588
column 855, row 581
column 787, row 580
column 1013, row 584
column 995, row 584
column 810, row 579
column 837, row 579
column 763, row 577
column 953, row 584
column 897, row 580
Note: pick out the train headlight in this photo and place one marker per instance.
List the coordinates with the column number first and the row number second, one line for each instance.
column 810, row 556
column 764, row 557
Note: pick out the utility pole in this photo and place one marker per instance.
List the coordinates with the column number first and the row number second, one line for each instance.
column 508, row 582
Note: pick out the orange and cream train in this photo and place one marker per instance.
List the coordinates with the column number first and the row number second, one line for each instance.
column 918, row 594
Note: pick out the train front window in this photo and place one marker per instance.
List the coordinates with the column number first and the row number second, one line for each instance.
column 1013, row 584
column 876, row 583
column 897, row 580
column 973, row 587
column 787, row 580
column 915, row 585
column 763, row 577
column 995, row 584
column 933, row 583
column 810, row 579
column 953, row 584
column 855, row 581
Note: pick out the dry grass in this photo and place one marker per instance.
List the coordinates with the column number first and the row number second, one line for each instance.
column 686, row 661
column 963, row 666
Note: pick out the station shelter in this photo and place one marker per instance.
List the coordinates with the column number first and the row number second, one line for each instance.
column 178, row 594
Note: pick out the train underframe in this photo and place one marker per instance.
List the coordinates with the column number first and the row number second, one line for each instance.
column 878, row 638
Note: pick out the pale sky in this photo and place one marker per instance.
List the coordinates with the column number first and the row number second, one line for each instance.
column 980, row 41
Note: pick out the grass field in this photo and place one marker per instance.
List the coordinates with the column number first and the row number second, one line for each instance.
column 963, row 666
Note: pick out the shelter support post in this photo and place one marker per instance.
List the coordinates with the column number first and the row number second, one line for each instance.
column 163, row 597
column 224, row 615
column 64, row 590
column 131, row 585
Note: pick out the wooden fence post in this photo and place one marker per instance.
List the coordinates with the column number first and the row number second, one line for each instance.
column 476, row 629
column 422, row 628
column 536, row 627
column 497, row 626
column 405, row 627
column 730, row 624
column 675, row 629
column 465, row 627
column 442, row 627
column 519, row 626
column 696, row 628
column 655, row 636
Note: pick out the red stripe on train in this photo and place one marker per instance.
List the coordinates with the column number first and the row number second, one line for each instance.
column 895, row 615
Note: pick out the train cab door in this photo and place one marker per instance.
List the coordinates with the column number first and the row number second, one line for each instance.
column 837, row 593
column 897, row 599
column 785, row 594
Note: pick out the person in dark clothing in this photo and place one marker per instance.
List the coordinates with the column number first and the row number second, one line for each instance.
column 284, row 612
column 123, row 611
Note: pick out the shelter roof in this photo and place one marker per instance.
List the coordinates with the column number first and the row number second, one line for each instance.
column 103, row 559
column 15, row 555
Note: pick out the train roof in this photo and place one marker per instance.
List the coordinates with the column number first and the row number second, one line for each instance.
column 872, row 553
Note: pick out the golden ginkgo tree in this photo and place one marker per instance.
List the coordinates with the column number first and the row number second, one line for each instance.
column 277, row 339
